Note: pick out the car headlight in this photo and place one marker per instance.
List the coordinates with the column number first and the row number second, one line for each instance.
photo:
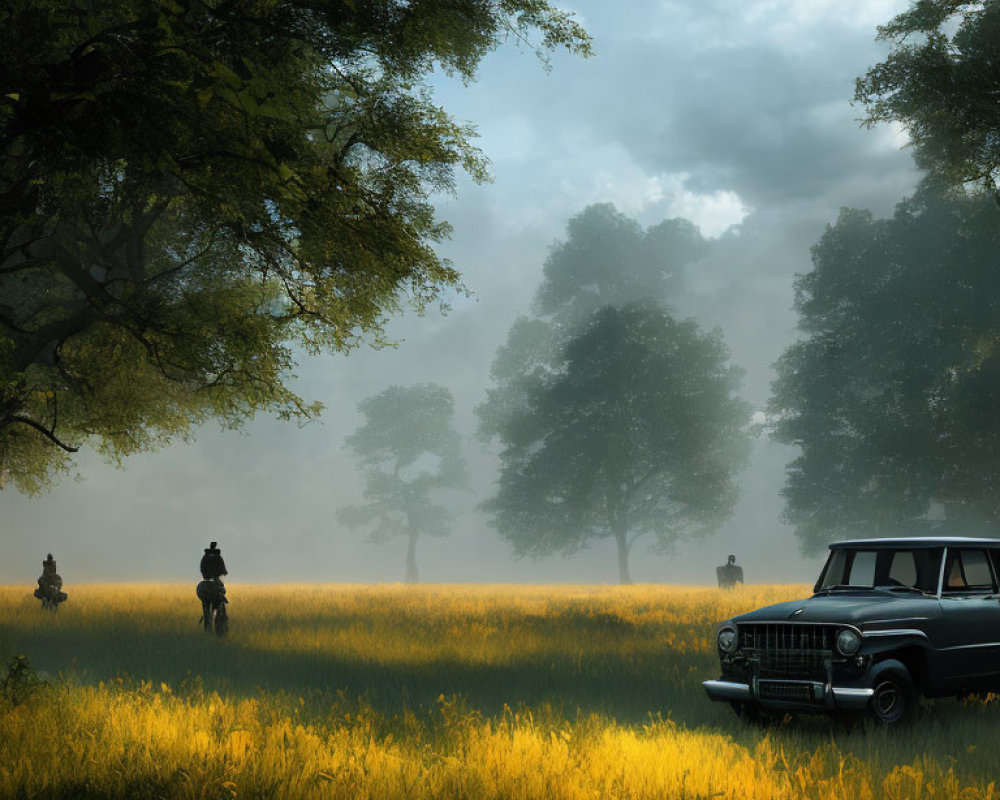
column 848, row 642
column 727, row 638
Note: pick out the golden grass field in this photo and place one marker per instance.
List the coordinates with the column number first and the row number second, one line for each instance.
column 434, row 692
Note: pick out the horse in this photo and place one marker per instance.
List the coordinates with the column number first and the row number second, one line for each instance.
column 212, row 594
column 51, row 594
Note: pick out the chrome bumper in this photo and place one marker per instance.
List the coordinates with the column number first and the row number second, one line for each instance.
column 824, row 695
column 726, row 690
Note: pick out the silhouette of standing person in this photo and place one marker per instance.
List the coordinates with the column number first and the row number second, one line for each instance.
column 729, row 574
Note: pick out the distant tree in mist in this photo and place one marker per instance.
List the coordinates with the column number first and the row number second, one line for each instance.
column 941, row 81
column 409, row 452
column 606, row 259
column 583, row 368
column 636, row 431
column 893, row 396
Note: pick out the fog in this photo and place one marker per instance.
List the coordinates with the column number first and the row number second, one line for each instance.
column 733, row 114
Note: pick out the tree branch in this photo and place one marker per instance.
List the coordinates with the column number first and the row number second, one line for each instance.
column 42, row 430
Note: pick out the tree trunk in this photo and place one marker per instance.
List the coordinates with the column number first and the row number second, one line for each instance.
column 621, row 538
column 411, row 559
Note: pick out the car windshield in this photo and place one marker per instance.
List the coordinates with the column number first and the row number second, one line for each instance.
column 916, row 569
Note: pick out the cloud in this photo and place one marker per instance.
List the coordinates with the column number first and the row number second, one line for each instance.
column 713, row 212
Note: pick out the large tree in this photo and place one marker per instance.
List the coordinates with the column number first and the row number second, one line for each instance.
column 893, row 394
column 191, row 188
column 941, row 81
column 410, row 453
column 636, row 431
column 606, row 259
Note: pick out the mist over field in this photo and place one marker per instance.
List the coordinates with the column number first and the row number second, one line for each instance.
column 735, row 116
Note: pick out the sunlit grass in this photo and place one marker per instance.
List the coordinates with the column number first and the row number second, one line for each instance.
column 434, row 692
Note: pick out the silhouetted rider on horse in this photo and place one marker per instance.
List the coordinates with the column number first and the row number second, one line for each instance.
column 49, row 589
column 211, row 590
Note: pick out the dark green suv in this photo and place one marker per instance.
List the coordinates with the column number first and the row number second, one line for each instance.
column 889, row 620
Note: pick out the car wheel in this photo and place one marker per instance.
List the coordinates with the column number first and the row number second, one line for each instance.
column 894, row 700
column 752, row 714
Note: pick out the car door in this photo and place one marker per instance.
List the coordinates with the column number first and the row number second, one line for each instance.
column 968, row 638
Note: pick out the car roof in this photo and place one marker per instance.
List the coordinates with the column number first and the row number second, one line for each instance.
column 914, row 542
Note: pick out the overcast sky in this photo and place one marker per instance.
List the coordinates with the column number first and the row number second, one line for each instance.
column 732, row 113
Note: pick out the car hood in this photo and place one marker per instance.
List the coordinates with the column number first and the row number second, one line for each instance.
column 853, row 608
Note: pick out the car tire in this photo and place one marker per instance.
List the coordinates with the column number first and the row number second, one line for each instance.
column 752, row 714
column 895, row 699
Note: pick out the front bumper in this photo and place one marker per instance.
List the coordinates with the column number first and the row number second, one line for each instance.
column 795, row 695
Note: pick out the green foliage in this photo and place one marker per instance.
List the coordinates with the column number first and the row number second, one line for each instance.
column 941, row 82
column 21, row 681
column 409, row 451
column 636, row 432
column 892, row 394
column 189, row 189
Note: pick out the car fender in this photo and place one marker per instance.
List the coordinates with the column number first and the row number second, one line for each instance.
column 887, row 665
column 877, row 642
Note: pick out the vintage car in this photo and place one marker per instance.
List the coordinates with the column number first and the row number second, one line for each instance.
column 889, row 620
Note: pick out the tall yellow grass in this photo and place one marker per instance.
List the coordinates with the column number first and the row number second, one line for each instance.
column 434, row 692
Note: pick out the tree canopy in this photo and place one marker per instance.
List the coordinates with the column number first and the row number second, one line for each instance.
column 635, row 431
column 941, row 81
column 892, row 395
column 408, row 451
column 191, row 188
column 606, row 259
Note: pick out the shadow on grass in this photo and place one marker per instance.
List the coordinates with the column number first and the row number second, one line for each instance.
column 628, row 688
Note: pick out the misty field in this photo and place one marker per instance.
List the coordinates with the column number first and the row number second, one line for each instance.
column 433, row 692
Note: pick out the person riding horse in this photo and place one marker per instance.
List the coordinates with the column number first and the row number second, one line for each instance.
column 50, row 584
column 211, row 590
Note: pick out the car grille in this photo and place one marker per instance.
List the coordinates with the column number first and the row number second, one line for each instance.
column 786, row 649
column 788, row 691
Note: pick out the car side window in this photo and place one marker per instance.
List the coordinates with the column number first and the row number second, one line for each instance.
column 967, row 571
column 863, row 568
column 903, row 569
column 977, row 569
column 836, row 565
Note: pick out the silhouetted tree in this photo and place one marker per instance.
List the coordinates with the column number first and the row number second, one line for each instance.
column 188, row 190
column 941, row 81
column 634, row 431
column 606, row 259
column 893, row 396
column 409, row 451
